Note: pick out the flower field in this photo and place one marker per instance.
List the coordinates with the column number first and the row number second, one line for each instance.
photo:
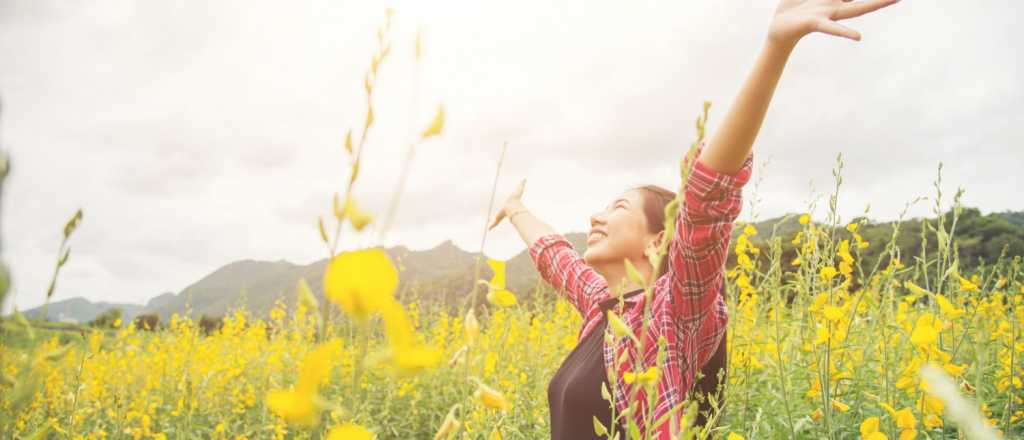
column 831, row 349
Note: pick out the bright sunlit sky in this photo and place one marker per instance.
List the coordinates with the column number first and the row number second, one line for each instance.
column 194, row 134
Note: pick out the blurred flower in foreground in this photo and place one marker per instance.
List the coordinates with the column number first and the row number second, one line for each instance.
column 404, row 352
column 361, row 282
column 497, row 293
column 490, row 397
column 302, row 404
column 349, row 432
column 962, row 412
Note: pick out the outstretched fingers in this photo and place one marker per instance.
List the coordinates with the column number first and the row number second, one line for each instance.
column 856, row 9
column 833, row 28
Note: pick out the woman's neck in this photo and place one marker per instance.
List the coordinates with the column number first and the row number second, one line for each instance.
column 618, row 281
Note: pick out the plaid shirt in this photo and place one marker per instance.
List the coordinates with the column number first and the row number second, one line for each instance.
column 687, row 308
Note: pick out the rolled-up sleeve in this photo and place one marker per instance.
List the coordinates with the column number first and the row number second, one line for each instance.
column 564, row 269
column 704, row 222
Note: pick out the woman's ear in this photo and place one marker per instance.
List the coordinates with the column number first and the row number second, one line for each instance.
column 653, row 245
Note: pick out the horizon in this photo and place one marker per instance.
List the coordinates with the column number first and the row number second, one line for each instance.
column 427, row 248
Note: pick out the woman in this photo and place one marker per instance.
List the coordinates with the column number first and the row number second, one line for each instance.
column 687, row 307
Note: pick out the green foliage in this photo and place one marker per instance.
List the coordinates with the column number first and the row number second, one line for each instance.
column 108, row 319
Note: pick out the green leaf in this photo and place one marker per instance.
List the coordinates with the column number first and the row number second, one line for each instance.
column 599, row 428
column 634, row 274
column 72, row 223
column 20, row 319
column 323, row 232
column 58, row 354
column 5, row 282
column 64, row 258
column 437, row 125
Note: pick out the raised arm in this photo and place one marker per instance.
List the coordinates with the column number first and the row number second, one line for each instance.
column 732, row 141
column 553, row 256
column 712, row 195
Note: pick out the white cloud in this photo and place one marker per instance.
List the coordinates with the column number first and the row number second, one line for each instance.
column 196, row 134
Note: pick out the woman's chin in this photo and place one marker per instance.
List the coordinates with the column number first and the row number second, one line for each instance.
column 592, row 256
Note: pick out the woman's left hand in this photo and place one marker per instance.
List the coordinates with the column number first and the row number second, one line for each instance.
column 795, row 18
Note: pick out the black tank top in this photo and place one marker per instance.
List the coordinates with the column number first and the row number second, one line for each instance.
column 574, row 394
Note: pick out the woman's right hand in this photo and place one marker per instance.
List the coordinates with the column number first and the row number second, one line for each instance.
column 513, row 204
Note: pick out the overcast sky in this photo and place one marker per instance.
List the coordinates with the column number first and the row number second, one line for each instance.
column 194, row 134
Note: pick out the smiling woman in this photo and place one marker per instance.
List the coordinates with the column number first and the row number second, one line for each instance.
column 687, row 314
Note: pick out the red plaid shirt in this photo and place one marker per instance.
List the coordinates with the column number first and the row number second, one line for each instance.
column 687, row 309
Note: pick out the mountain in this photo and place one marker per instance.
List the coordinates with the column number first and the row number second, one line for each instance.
column 444, row 274
column 79, row 310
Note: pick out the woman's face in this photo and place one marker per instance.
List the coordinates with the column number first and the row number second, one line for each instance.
column 618, row 232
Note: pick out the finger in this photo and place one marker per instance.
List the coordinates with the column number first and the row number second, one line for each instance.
column 519, row 189
column 497, row 219
column 856, row 9
column 833, row 28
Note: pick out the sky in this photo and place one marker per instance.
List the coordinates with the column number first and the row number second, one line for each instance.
column 194, row 134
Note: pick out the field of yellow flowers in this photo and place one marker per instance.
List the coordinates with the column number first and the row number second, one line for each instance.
column 819, row 345
column 831, row 350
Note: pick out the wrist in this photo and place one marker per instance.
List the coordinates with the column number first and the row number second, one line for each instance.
column 516, row 210
column 778, row 46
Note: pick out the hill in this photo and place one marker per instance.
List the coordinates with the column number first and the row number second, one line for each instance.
column 445, row 274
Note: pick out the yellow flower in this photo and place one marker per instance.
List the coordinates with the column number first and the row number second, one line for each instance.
column 869, row 427
column 749, row 230
column 734, row 436
column 497, row 294
column 300, row 405
column 490, row 397
column 833, row 313
column 828, row 272
column 948, row 309
column 796, row 261
column 501, row 297
column 908, row 434
column 840, row 406
column 648, row 377
column 498, row 266
column 357, row 217
column 822, row 335
column 804, row 219
column 816, row 414
column 349, row 432
column 967, row 285
column 293, row 407
column 360, row 281
column 852, row 227
column 926, row 331
column 955, row 370
column 905, row 419
column 411, row 359
column 316, row 367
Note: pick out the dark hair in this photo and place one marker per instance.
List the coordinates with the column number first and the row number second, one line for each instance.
column 655, row 199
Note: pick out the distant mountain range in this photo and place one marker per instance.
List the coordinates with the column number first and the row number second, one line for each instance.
column 444, row 274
